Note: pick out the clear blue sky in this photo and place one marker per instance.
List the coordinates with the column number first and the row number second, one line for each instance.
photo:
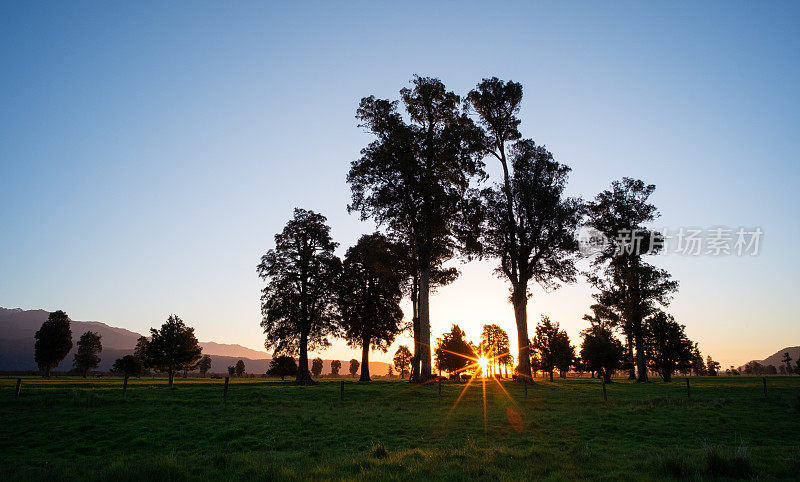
column 149, row 151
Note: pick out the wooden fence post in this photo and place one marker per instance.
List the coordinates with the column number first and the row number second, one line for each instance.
column 605, row 397
column 341, row 390
column 764, row 379
column 19, row 384
column 125, row 386
column 688, row 390
column 225, row 392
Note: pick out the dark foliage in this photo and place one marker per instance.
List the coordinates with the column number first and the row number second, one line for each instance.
column 667, row 347
column 88, row 354
column 173, row 348
column 282, row 366
column 453, row 353
column 552, row 346
column 53, row 341
column 128, row 365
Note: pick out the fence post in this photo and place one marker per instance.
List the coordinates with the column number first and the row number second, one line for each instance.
column 19, row 384
column 125, row 386
column 764, row 379
column 688, row 390
column 605, row 397
column 341, row 390
column 225, row 392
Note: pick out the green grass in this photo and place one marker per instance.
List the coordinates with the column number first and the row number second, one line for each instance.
column 74, row 429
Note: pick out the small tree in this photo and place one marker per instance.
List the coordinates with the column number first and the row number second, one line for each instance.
column 53, row 341
column 232, row 371
column 88, row 354
column 354, row 364
column 128, row 365
column 336, row 365
column 282, row 366
column 552, row 345
column 389, row 374
column 712, row 366
column 667, row 347
column 240, row 368
column 601, row 352
column 204, row 365
column 402, row 359
column 316, row 367
column 787, row 361
column 174, row 347
column 698, row 363
column 453, row 353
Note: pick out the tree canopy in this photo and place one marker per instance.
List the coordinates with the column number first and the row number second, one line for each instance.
column 552, row 347
column 453, row 353
column 53, row 341
column 88, row 354
column 402, row 360
column 282, row 366
column 173, row 347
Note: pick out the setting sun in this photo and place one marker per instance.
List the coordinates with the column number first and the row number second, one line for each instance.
column 483, row 363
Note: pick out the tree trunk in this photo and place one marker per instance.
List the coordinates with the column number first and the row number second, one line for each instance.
column 47, row 371
column 551, row 375
column 520, row 300
column 85, row 372
column 607, row 375
column 365, row 360
column 632, row 369
column 414, row 371
column 425, row 372
column 641, row 362
column 170, row 376
column 303, row 375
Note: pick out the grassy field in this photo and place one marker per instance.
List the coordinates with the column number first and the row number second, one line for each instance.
column 84, row 429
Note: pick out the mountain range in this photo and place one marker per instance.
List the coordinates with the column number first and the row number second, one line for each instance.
column 18, row 326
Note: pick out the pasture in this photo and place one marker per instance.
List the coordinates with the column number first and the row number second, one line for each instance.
column 75, row 429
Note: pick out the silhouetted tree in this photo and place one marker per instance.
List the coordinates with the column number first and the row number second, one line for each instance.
column 626, row 283
column 712, row 366
column 771, row 370
column 667, row 347
column 53, row 341
column 299, row 302
column 453, row 353
column 336, row 365
column 88, row 354
column 601, row 351
column 402, row 359
column 174, row 347
column 552, row 345
column 490, row 345
column 127, row 365
column 530, row 224
column 369, row 297
column 787, row 361
column 204, row 365
column 389, row 373
column 415, row 180
column 282, row 366
column 354, row 367
column 698, row 363
column 232, row 370
column 240, row 368
column 316, row 367
column 141, row 353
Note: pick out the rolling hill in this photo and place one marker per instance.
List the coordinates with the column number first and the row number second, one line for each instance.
column 18, row 326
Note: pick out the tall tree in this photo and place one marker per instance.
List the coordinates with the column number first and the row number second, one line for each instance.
column 415, row 180
column 402, row 359
column 530, row 224
column 316, row 367
column 53, row 341
column 667, row 346
column 88, row 354
column 354, row 367
column 141, row 353
column 712, row 366
column 240, row 368
column 626, row 282
column 299, row 302
column 453, row 353
column 552, row 345
column 336, row 365
column 173, row 348
column 282, row 366
column 369, row 297
column 204, row 365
